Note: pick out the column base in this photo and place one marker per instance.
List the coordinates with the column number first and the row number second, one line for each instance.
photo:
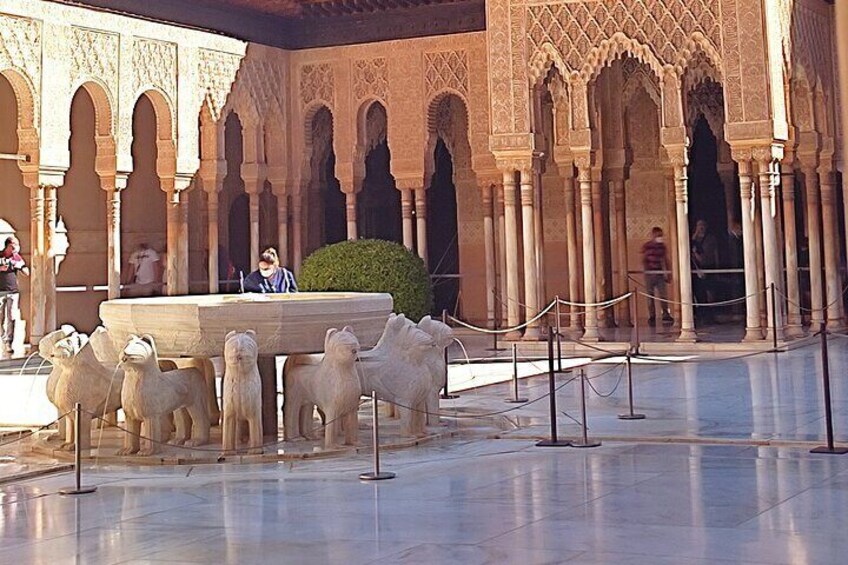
column 835, row 325
column 793, row 331
column 687, row 335
column 532, row 334
column 753, row 334
column 512, row 336
column 590, row 334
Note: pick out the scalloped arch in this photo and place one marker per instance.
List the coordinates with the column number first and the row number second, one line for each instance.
column 24, row 96
column 545, row 58
column 695, row 44
column 104, row 122
column 611, row 49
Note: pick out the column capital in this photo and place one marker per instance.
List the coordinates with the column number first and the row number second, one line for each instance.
column 253, row 175
column 49, row 177
column 414, row 182
column 584, row 160
column 766, row 155
column 678, row 155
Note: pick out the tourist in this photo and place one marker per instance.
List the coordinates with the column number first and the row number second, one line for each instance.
column 145, row 271
column 657, row 275
column 270, row 276
column 704, row 256
column 11, row 263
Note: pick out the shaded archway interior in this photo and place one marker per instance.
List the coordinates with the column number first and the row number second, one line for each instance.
column 378, row 213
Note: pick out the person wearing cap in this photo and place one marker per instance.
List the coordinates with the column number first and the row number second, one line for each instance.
column 270, row 276
column 11, row 263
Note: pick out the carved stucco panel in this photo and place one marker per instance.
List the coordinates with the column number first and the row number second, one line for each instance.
column 20, row 49
column 406, row 113
column 316, row 83
column 155, row 65
column 755, row 83
column 446, row 70
column 94, row 55
column 812, row 39
column 371, row 78
column 520, row 92
column 500, row 79
column 667, row 26
column 216, row 73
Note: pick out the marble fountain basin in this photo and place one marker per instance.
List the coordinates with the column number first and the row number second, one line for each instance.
column 195, row 326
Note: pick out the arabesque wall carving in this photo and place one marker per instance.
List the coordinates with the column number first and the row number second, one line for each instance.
column 446, row 70
column 371, row 78
column 316, row 83
column 155, row 65
column 95, row 56
column 20, row 49
column 216, row 72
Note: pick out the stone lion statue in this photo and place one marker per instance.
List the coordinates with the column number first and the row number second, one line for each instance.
column 442, row 334
column 242, row 390
column 150, row 395
column 396, row 368
column 46, row 347
column 83, row 378
column 329, row 382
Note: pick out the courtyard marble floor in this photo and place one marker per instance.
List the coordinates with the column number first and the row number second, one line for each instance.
column 720, row 471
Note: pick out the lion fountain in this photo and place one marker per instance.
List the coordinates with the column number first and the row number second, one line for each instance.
column 329, row 382
column 149, row 395
column 242, row 390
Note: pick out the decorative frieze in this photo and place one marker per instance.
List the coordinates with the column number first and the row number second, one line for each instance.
column 216, row 72
column 371, row 78
column 316, row 83
column 446, row 70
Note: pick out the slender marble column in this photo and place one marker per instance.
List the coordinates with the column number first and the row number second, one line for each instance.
column 283, row 228
column 573, row 259
column 841, row 9
column 811, row 185
column 753, row 329
column 406, row 207
column 421, row 222
column 687, row 317
column 297, row 231
column 49, row 281
column 598, row 224
column 38, row 263
column 350, row 215
column 793, row 292
column 501, row 255
column 511, row 237
column 212, row 235
column 758, row 238
column 674, row 288
column 591, row 318
column 769, row 207
column 830, row 235
column 528, row 224
column 539, row 223
column 254, row 228
column 620, row 249
column 113, row 225
column 489, row 250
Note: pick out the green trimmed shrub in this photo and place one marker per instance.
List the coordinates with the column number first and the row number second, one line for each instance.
column 371, row 265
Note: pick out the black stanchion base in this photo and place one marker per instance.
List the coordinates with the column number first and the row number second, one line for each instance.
column 381, row 476
column 580, row 444
column 448, row 396
column 553, row 443
column 516, row 400
column 82, row 490
column 835, row 451
column 631, row 416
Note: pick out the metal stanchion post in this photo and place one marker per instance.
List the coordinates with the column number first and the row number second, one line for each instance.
column 445, row 394
column 773, row 318
column 377, row 475
column 558, row 336
column 515, row 399
column 635, row 298
column 497, row 326
column 630, row 414
column 828, row 413
column 584, row 442
column 553, row 442
column 77, row 488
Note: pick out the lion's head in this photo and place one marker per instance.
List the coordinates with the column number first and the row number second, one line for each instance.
column 441, row 333
column 139, row 351
column 240, row 348
column 341, row 345
column 47, row 344
column 69, row 347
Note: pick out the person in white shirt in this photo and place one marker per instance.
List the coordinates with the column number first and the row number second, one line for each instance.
column 145, row 271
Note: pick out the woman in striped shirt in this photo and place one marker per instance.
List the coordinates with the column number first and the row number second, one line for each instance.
column 270, row 277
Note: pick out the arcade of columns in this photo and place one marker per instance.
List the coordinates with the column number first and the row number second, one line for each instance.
column 537, row 159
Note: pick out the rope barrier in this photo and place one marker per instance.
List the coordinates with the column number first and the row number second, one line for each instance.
column 823, row 309
column 599, row 305
column 478, row 329
column 703, row 304
column 23, row 434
